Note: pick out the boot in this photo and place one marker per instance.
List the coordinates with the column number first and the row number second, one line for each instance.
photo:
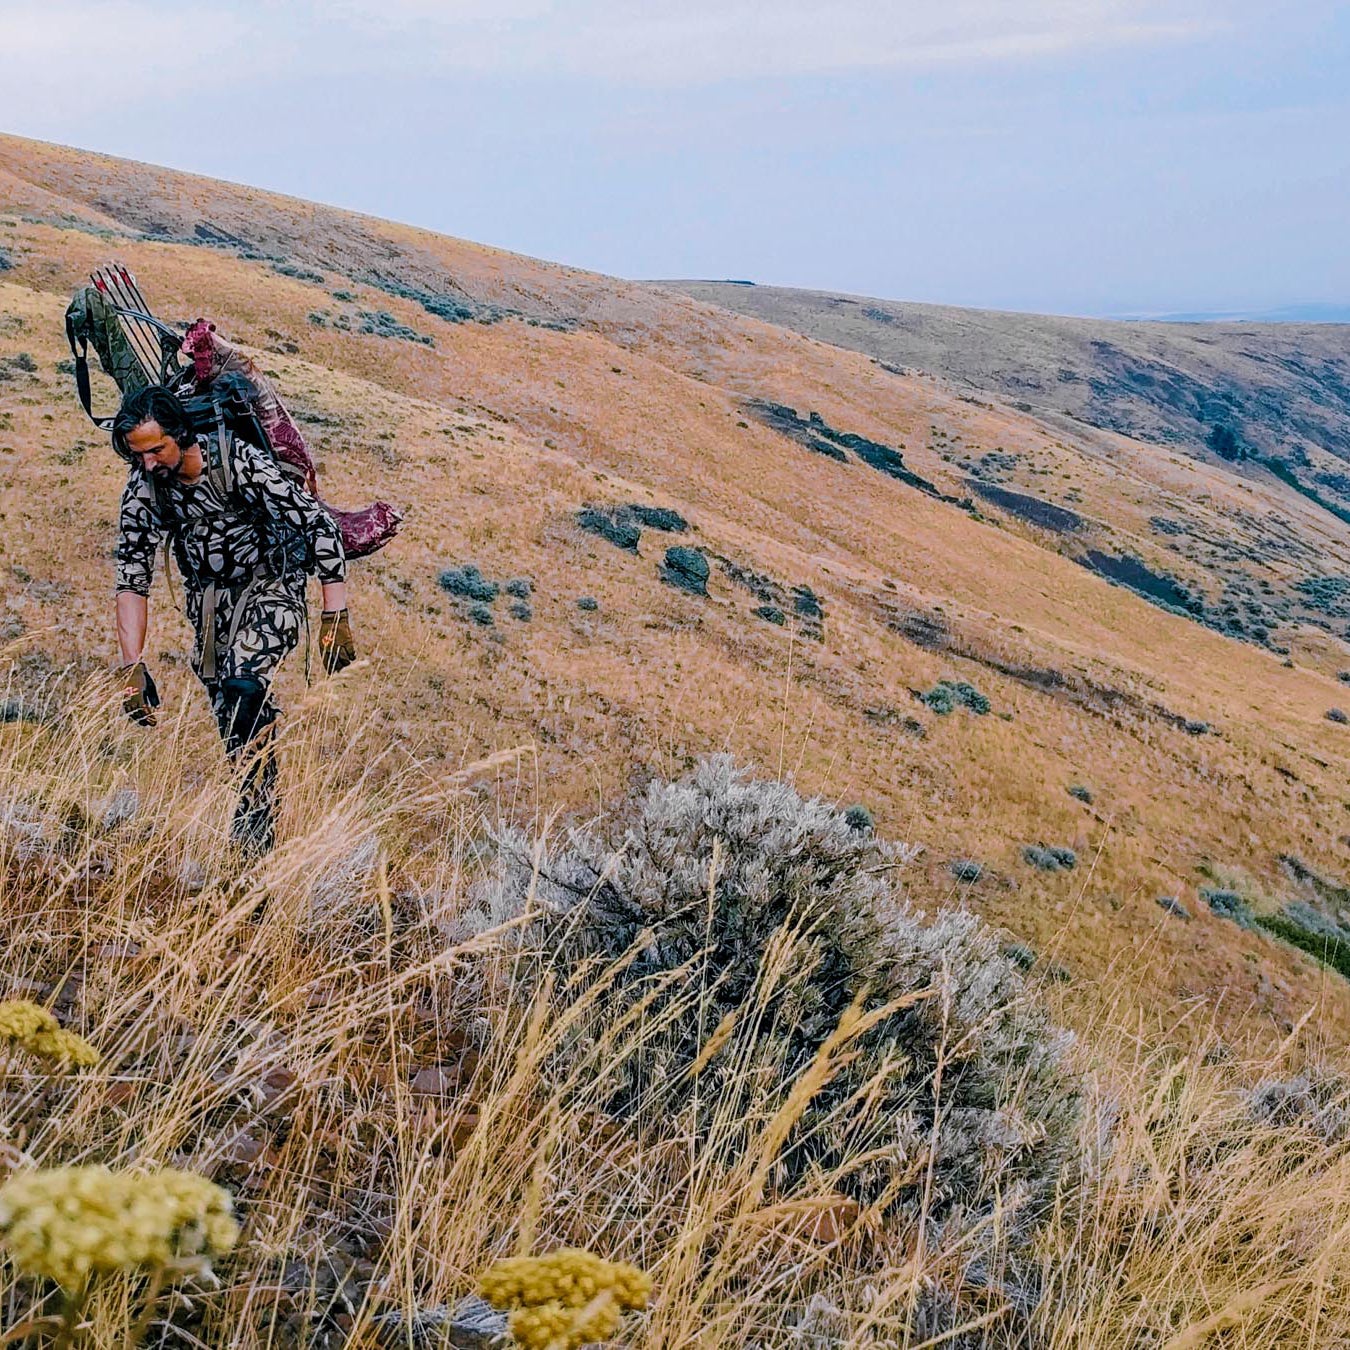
column 254, row 826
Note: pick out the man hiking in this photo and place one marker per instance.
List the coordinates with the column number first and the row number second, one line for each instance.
column 245, row 536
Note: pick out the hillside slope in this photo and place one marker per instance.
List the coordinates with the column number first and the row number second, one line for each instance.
column 1283, row 388
column 1270, row 400
column 850, row 571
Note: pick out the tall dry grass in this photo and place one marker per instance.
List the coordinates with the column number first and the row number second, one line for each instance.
column 395, row 1103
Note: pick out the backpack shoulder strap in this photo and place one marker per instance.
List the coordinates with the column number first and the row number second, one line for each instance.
column 219, row 457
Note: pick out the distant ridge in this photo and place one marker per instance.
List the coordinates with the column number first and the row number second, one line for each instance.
column 1319, row 313
column 1281, row 387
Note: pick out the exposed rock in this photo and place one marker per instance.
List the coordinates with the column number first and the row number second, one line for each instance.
column 686, row 569
column 1034, row 510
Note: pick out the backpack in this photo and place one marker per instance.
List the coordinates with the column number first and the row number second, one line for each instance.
column 222, row 390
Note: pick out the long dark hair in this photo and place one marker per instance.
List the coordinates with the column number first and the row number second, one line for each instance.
column 154, row 403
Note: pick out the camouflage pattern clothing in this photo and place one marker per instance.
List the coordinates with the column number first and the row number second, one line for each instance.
column 244, row 558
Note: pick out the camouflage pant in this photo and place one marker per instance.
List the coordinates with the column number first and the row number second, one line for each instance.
column 253, row 626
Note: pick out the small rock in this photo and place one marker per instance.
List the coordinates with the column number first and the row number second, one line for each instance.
column 588, row 603
column 1079, row 793
column 274, row 1088
column 1171, row 905
column 966, row 869
column 1336, row 715
column 686, row 569
column 243, row 1149
column 807, row 603
column 437, row 1081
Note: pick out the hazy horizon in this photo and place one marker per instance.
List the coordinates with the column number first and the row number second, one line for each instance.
column 1111, row 158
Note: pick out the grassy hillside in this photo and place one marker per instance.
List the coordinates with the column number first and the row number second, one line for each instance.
column 571, row 390
column 1283, row 388
column 863, row 603
column 1269, row 401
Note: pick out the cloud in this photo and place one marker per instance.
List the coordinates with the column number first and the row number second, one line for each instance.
column 701, row 40
column 83, row 52
column 152, row 49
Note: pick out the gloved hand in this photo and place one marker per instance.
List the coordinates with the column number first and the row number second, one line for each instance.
column 140, row 698
column 337, row 647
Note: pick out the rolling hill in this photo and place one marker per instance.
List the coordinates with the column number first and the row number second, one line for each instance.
column 866, row 532
column 533, row 967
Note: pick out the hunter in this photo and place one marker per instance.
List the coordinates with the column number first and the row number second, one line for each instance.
column 246, row 536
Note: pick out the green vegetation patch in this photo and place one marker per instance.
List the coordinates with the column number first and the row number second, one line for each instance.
column 948, row 695
column 1330, row 949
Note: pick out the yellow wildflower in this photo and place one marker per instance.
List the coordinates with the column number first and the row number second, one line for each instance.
column 550, row 1326
column 566, row 1299
column 69, row 1223
column 570, row 1276
column 64, row 1046
column 34, row 1029
column 20, row 1019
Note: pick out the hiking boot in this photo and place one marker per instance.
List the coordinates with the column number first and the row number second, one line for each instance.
column 254, row 825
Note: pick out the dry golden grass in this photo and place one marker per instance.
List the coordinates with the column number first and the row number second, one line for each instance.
column 268, row 1030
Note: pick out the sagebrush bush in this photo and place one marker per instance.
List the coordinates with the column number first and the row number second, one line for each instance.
column 948, row 695
column 787, row 920
column 1228, row 904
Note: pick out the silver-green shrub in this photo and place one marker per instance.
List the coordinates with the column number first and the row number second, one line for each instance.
column 972, row 1109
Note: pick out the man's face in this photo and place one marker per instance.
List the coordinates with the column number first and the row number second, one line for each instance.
column 158, row 453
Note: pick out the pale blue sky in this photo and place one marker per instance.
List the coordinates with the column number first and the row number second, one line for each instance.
column 1077, row 156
